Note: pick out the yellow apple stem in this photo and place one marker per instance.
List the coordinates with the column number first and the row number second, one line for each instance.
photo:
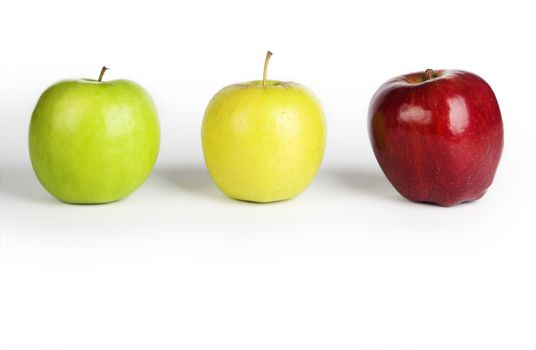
column 268, row 55
column 104, row 69
column 428, row 74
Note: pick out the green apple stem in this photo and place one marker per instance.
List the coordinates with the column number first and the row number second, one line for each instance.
column 104, row 69
column 428, row 74
column 268, row 55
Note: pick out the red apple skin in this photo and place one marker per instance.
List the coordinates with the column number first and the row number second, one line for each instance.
column 437, row 140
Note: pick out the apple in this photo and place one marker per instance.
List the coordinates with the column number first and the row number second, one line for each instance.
column 263, row 140
column 92, row 141
column 437, row 135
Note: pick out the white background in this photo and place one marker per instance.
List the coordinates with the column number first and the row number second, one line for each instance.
column 348, row 264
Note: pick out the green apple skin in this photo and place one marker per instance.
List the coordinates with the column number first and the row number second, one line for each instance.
column 93, row 142
column 263, row 143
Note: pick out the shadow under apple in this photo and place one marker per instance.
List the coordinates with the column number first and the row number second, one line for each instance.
column 365, row 181
column 190, row 178
column 19, row 181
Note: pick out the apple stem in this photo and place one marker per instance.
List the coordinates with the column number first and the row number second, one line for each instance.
column 104, row 69
column 428, row 74
column 268, row 55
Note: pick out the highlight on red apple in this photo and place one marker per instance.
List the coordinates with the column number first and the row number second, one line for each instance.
column 437, row 135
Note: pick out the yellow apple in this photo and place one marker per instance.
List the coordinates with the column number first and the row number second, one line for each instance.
column 263, row 141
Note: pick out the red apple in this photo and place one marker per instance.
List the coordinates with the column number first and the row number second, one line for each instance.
column 437, row 135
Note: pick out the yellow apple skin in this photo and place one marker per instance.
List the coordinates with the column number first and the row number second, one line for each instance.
column 263, row 143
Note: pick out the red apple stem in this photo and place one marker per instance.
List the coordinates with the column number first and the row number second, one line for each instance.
column 428, row 74
column 268, row 55
column 104, row 69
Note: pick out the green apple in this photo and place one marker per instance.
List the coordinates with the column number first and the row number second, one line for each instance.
column 263, row 141
column 92, row 141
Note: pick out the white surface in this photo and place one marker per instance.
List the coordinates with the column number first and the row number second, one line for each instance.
column 348, row 264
